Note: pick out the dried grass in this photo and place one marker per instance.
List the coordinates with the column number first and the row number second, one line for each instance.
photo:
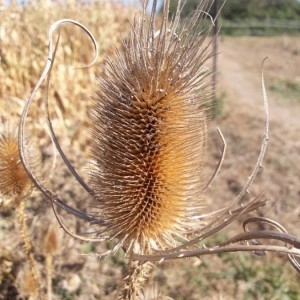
column 24, row 44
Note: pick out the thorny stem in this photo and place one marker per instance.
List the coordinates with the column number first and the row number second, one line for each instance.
column 217, row 250
column 49, row 260
column 28, row 249
column 134, row 280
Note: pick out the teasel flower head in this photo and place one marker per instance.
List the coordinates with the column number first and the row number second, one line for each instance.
column 15, row 183
column 149, row 133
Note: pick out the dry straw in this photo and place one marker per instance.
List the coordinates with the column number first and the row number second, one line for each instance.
column 148, row 142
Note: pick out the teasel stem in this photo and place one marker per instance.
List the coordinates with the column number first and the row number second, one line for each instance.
column 49, row 261
column 21, row 216
column 133, row 282
column 50, row 247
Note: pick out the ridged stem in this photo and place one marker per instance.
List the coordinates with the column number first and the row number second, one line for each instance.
column 28, row 249
column 49, row 259
column 134, row 280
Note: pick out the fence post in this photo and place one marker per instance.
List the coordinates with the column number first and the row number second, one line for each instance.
column 215, row 15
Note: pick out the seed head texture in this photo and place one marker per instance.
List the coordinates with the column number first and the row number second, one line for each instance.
column 149, row 135
column 14, row 181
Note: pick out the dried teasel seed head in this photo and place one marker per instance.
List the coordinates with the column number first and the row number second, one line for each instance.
column 51, row 241
column 149, row 133
column 15, row 183
column 26, row 283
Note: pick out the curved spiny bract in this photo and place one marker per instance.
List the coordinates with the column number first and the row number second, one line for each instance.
column 149, row 134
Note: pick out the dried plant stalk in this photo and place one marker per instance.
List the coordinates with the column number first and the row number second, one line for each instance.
column 50, row 247
column 29, row 250
column 134, row 281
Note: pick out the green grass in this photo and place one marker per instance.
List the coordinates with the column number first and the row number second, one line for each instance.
column 61, row 292
column 218, row 107
column 240, row 276
column 289, row 89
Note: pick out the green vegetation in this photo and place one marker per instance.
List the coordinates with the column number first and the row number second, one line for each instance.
column 63, row 293
column 252, row 17
column 239, row 10
column 245, row 277
column 263, row 281
column 218, row 108
column 190, row 6
column 289, row 89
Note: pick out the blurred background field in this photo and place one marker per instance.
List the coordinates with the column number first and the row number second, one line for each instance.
column 239, row 114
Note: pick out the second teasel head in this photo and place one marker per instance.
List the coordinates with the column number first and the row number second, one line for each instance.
column 14, row 181
column 149, row 133
column 15, row 184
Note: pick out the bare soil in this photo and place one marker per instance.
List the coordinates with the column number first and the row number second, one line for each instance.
column 240, row 63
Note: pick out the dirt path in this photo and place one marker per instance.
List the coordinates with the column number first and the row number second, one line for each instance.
column 240, row 64
column 240, row 78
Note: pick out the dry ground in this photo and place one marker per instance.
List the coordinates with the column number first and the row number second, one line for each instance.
column 241, row 120
column 240, row 79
